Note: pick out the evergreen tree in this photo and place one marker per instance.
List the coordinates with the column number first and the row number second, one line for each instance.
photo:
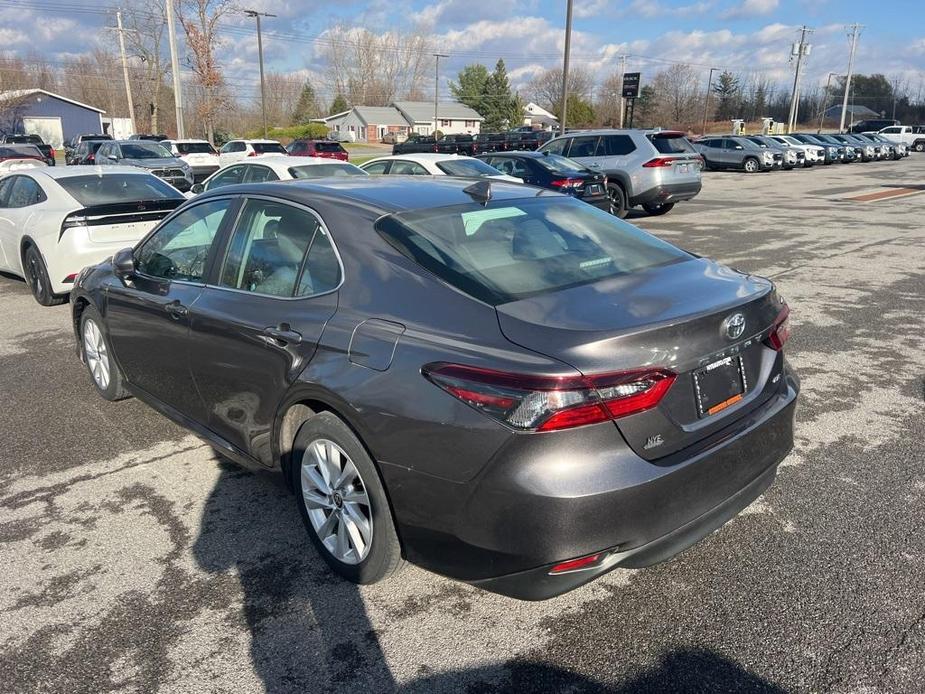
column 726, row 90
column 472, row 87
column 307, row 106
column 339, row 105
column 503, row 109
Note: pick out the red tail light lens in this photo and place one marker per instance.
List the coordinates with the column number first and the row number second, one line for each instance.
column 660, row 161
column 252, row 154
column 780, row 332
column 579, row 564
column 547, row 403
column 566, row 182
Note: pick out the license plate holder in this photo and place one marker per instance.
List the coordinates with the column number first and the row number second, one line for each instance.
column 719, row 385
column 684, row 168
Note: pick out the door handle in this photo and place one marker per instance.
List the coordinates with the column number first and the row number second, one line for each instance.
column 283, row 333
column 176, row 309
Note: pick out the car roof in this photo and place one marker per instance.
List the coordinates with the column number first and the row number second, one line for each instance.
column 186, row 140
column 255, row 142
column 520, row 154
column 57, row 172
column 423, row 157
column 386, row 194
column 284, row 161
column 136, row 142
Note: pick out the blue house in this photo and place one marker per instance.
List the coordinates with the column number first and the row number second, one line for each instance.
column 52, row 116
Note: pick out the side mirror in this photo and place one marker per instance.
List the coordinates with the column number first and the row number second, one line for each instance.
column 123, row 264
column 197, row 188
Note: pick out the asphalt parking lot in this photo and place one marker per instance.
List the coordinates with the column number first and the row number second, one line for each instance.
column 132, row 559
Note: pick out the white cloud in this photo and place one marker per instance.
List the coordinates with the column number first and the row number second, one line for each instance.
column 751, row 8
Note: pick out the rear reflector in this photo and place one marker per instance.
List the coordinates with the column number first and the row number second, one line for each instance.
column 529, row 402
column 70, row 278
column 780, row 331
column 579, row 564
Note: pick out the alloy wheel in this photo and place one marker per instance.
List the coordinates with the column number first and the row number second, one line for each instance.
column 751, row 166
column 336, row 501
column 97, row 354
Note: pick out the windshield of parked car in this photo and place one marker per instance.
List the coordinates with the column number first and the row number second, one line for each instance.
column 323, row 170
column 194, row 148
column 144, row 150
column 513, row 249
column 101, row 189
column 559, row 164
column 268, row 148
column 467, row 167
column 670, row 144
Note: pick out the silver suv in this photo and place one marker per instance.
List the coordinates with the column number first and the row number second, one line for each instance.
column 652, row 168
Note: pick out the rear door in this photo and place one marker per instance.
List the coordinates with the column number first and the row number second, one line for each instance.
column 10, row 234
column 259, row 320
column 148, row 317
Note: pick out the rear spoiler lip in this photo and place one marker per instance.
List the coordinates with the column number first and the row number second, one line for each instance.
column 135, row 211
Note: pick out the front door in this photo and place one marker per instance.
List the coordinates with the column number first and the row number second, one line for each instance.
column 149, row 324
column 259, row 320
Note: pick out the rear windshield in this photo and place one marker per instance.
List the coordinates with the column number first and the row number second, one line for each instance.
column 560, row 164
column 100, row 189
column 144, row 150
column 514, row 249
column 467, row 167
column 329, row 147
column 323, row 170
column 268, row 147
column 13, row 139
column 16, row 151
column 671, row 144
column 194, row 148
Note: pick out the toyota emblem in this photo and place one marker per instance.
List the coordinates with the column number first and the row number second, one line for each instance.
column 734, row 326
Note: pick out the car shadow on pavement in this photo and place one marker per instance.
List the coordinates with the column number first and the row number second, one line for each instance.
column 309, row 631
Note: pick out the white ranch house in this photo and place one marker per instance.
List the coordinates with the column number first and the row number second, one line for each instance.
column 371, row 123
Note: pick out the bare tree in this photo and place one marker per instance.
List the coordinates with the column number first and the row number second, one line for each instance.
column 283, row 91
column 200, row 19
column 607, row 108
column 678, row 95
column 375, row 69
column 145, row 26
column 546, row 88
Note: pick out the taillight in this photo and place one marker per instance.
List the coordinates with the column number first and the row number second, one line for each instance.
column 780, row 331
column 52, row 153
column 90, row 158
column 252, row 154
column 548, row 403
column 580, row 564
column 660, row 161
column 566, row 183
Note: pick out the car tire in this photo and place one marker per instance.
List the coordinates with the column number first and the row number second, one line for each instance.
column 751, row 165
column 657, row 210
column 37, row 278
column 919, row 146
column 348, row 519
column 97, row 355
column 617, row 200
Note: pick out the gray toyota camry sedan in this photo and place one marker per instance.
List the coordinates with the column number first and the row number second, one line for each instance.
column 498, row 383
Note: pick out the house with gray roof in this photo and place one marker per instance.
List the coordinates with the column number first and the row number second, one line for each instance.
column 371, row 123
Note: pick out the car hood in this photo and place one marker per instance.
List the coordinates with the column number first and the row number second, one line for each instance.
column 159, row 163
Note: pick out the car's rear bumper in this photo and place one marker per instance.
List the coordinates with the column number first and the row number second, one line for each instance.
column 668, row 192
column 545, row 499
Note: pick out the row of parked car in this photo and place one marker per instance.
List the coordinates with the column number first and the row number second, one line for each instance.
column 471, row 145
column 754, row 153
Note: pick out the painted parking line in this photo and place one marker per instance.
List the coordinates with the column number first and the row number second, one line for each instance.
column 885, row 194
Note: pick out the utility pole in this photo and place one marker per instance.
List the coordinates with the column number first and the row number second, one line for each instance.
column 175, row 69
column 622, row 100
column 128, row 84
column 799, row 50
column 825, row 101
column 855, row 30
column 263, row 94
column 706, row 101
column 568, row 46
column 437, row 56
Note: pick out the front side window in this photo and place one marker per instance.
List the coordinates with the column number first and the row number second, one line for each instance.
column 178, row 250
column 273, row 252
column 513, row 249
column 228, row 177
column 555, row 146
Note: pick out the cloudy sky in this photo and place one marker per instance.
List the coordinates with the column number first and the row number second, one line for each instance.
column 750, row 37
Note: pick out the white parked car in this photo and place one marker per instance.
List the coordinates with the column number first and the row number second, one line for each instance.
column 201, row 157
column 236, row 150
column 277, row 168
column 15, row 157
column 814, row 153
column 56, row 220
column 427, row 164
column 913, row 136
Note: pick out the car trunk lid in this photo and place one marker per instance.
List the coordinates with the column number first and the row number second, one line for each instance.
column 119, row 222
column 675, row 317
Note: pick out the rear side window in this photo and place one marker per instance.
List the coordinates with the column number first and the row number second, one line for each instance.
column 117, row 187
column 670, row 144
column 615, row 146
column 280, row 250
column 268, row 148
column 465, row 167
column 25, row 192
column 259, row 174
column 322, row 170
column 510, row 250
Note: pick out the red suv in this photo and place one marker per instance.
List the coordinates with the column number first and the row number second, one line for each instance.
column 317, row 148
